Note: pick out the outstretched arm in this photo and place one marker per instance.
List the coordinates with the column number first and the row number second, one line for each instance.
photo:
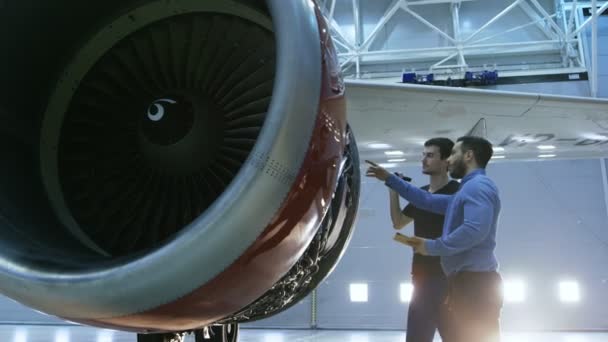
column 418, row 197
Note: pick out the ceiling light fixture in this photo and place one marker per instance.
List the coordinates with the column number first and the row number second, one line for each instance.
column 545, row 147
column 378, row 146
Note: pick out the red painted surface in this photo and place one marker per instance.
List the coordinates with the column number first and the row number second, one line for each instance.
column 284, row 240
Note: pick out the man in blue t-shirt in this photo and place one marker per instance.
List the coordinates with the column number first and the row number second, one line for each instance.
column 427, row 311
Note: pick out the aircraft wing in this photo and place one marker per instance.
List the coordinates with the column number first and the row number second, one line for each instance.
column 400, row 117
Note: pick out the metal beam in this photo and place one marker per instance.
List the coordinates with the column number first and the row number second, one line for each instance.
column 450, row 49
column 566, row 60
column 583, row 4
column 339, row 42
column 434, row 2
column 568, row 57
column 594, row 53
column 358, row 34
column 444, row 60
column 455, row 10
column 348, row 60
column 405, row 7
column 581, row 52
column 511, row 30
column 570, row 26
column 338, row 32
column 534, row 16
column 388, row 15
column 586, row 22
column 471, row 50
column 491, row 21
column 357, row 22
column 355, row 53
column 549, row 20
column 332, row 9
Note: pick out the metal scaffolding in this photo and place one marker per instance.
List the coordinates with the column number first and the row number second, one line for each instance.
column 561, row 22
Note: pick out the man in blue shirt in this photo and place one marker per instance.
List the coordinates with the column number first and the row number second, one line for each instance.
column 468, row 240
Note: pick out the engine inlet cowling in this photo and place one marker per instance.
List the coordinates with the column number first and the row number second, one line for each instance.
column 187, row 156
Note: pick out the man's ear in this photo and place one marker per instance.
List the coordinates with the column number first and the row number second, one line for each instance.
column 469, row 155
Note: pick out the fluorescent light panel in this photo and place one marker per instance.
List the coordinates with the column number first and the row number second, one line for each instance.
column 20, row 335
column 358, row 292
column 545, row 147
column 105, row 336
column 514, row 291
column 405, row 292
column 569, row 291
column 62, row 335
column 273, row 337
column 379, row 146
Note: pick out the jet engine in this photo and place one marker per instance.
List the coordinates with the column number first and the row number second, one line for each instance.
column 169, row 165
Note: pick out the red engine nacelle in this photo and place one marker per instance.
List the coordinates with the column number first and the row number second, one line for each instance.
column 190, row 155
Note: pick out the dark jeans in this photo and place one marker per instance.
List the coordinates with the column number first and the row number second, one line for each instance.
column 427, row 310
column 474, row 302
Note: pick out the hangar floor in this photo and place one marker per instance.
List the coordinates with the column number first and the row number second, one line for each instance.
column 52, row 333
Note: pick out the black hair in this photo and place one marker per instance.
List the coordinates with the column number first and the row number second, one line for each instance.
column 482, row 149
column 445, row 146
